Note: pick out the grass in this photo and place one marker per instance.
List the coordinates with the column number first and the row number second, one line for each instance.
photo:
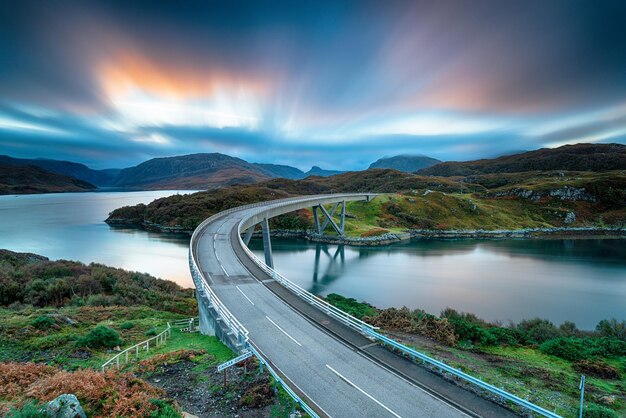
column 397, row 213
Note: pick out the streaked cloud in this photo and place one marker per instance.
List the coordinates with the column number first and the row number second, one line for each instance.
column 335, row 84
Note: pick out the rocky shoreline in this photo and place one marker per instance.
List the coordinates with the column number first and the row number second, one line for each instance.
column 392, row 238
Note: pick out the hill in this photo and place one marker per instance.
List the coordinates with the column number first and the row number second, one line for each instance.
column 579, row 157
column 30, row 179
column 194, row 171
column 67, row 168
column 317, row 171
column 283, row 171
column 406, row 163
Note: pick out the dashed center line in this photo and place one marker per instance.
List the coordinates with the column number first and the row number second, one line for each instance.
column 283, row 331
column 245, row 296
column 362, row 391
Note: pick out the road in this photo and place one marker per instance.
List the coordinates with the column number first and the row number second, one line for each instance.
column 334, row 378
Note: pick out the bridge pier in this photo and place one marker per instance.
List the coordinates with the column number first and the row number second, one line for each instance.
column 320, row 227
column 267, row 243
column 248, row 235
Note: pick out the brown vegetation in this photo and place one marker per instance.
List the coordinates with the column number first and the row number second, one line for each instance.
column 109, row 394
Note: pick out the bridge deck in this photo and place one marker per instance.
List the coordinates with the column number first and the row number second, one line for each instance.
column 335, row 378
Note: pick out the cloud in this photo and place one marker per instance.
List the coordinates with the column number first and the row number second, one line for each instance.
column 338, row 84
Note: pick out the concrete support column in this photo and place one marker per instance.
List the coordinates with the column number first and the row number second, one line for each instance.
column 316, row 220
column 342, row 223
column 267, row 243
column 248, row 235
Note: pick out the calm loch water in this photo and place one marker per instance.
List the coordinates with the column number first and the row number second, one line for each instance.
column 577, row 280
column 582, row 281
column 71, row 226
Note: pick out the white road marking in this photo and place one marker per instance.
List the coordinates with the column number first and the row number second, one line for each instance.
column 412, row 384
column 244, row 295
column 283, row 331
column 362, row 391
column 293, row 383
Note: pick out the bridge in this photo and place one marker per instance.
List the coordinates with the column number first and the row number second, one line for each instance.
column 334, row 364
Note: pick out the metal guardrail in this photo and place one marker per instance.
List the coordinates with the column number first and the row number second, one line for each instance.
column 370, row 330
column 285, row 386
column 458, row 373
column 159, row 339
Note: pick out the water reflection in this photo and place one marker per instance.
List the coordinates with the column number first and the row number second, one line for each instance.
column 71, row 226
column 579, row 280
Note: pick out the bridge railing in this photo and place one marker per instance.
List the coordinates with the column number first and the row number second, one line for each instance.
column 241, row 333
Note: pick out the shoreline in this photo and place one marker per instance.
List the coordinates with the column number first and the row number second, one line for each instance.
column 393, row 238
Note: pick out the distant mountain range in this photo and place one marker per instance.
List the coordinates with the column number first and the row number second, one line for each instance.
column 407, row 163
column 214, row 170
column 67, row 168
column 579, row 157
column 29, row 179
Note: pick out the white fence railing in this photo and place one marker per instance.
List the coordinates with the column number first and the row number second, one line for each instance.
column 126, row 355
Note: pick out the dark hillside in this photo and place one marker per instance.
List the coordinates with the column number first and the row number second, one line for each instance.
column 579, row 157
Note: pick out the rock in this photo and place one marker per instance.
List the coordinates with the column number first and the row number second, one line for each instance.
column 65, row 406
column 427, row 192
column 188, row 415
column 570, row 217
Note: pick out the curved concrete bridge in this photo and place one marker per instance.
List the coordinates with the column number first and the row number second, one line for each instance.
column 314, row 348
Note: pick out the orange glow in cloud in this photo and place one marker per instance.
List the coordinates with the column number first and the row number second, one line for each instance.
column 129, row 72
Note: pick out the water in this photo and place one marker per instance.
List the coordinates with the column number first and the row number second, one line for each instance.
column 71, row 226
column 577, row 280
column 583, row 281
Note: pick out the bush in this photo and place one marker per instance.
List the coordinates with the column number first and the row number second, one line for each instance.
column 42, row 322
column 100, row 337
column 151, row 332
column 29, row 410
column 127, row 325
column 577, row 349
column 351, row 306
column 164, row 409
column 612, row 328
column 537, row 331
column 598, row 411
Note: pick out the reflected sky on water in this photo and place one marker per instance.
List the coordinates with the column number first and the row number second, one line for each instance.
column 505, row 280
column 71, row 226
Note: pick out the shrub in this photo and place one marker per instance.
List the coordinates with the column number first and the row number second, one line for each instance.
column 598, row 411
column 100, row 337
column 164, row 409
column 351, row 306
column 537, row 331
column 151, row 332
column 29, row 410
column 612, row 328
column 42, row 322
column 127, row 325
column 576, row 349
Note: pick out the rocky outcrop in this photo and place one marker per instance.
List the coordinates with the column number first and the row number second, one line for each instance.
column 65, row 406
column 562, row 193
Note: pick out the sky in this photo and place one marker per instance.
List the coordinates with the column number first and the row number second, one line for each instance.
column 336, row 84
